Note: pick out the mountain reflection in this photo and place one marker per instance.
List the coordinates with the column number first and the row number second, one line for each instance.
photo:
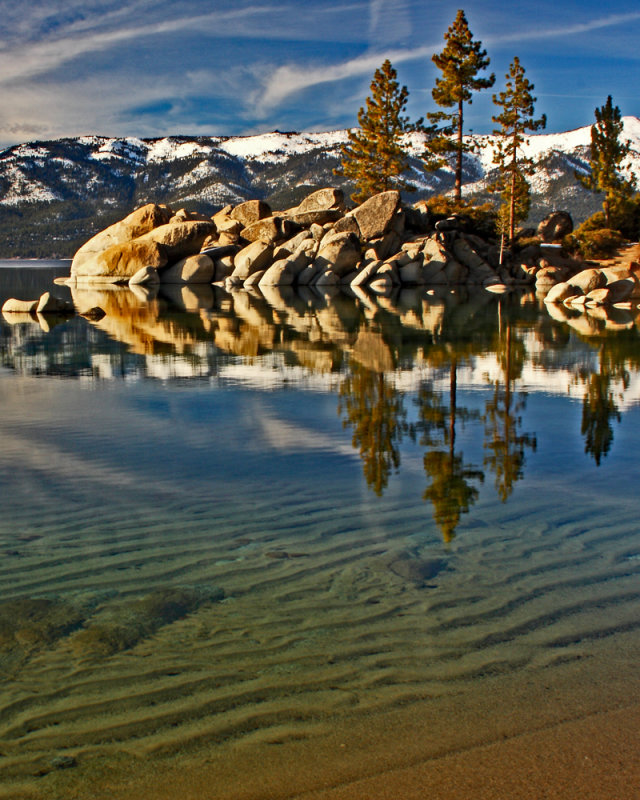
column 395, row 364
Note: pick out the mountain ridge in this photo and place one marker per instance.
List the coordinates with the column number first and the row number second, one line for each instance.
column 55, row 194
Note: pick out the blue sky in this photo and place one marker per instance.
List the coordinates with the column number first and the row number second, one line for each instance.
column 152, row 67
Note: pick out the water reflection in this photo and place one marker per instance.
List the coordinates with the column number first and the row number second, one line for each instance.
column 375, row 411
column 395, row 364
column 504, row 442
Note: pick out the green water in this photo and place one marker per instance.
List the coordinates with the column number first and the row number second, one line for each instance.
column 229, row 514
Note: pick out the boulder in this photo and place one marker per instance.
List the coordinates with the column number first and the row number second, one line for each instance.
column 232, row 227
column 411, row 273
column 599, row 297
column 390, row 269
column 376, row 215
column 340, row 255
column 13, row 306
column 122, row 261
column 146, row 275
column 385, row 246
column 289, row 247
column 136, row 224
column 254, row 279
column 179, row 239
column 223, row 267
column 269, row 229
column 322, row 200
column 555, row 226
column 192, row 269
column 249, row 212
column 561, row 291
column 255, row 256
column 50, row 304
column 588, row 279
column 327, row 278
column 319, row 217
column 365, row 273
column 479, row 271
column 278, row 274
column 222, row 215
column 347, row 224
column 622, row 290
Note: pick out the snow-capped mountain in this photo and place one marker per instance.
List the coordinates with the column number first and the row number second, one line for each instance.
column 55, row 194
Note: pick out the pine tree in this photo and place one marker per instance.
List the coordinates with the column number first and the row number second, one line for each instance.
column 607, row 154
column 515, row 120
column 374, row 156
column 460, row 61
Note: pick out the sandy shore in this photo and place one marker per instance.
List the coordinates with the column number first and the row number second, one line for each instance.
column 567, row 732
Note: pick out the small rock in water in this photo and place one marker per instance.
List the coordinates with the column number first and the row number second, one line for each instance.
column 63, row 762
column 416, row 570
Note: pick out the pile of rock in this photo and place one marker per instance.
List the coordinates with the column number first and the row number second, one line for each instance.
column 376, row 246
column 596, row 286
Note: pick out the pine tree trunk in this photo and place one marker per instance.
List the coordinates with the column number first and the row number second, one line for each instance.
column 512, row 207
column 458, row 188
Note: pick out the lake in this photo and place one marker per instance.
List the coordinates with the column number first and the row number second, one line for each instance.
column 307, row 545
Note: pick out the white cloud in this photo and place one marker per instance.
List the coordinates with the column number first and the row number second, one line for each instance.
column 289, row 79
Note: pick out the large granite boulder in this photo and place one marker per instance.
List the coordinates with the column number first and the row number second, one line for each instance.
column 319, row 216
column 193, row 269
column 269, row 229
column 340, row 255
column 249, row 212
column 322, row 200
column 179, row 239
column 136, row 224
column 155, row 248
column 252, row 258
column 588, row 279
column 555, row 226
column 122, row 261
column 376, row 215
column 280, row 273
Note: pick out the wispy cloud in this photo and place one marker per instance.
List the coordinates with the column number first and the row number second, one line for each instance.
column 47, row 56
column 290, row 79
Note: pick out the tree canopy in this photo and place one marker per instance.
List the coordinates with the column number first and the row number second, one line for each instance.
column 461, row 60
column 608, row 152
column 515, row 119
column 374, row 157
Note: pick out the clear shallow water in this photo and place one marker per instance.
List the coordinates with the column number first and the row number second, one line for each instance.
column 234, row 518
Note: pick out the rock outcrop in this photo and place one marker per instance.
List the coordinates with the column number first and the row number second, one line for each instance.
column 375, row 247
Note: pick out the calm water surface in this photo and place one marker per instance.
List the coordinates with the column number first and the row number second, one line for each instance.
column 229, row 517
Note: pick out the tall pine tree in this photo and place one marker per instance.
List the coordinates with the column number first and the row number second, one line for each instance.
column 607, row 155
column 460, row 61
column 374, row 156
column 515, row 120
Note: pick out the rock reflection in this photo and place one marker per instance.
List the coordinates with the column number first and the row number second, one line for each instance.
column 395, row 361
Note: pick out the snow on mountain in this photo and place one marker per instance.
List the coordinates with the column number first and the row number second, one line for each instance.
column 278, row 146
column 69, row 188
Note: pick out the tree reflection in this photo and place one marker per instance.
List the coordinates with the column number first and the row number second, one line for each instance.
column 504, row 442
column 599, row 408
column 449, row 488
column 374, row 409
